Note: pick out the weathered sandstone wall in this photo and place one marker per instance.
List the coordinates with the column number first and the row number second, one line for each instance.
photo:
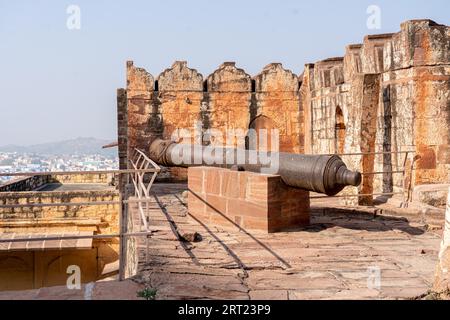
column 389, row 94
column 181, row 101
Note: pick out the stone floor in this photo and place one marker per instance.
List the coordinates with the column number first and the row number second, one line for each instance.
column 336, row 257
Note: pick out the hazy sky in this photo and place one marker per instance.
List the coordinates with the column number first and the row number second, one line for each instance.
column 57, row 83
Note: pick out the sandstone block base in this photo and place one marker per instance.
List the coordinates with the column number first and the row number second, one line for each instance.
column 442, row 275
column 245, row 200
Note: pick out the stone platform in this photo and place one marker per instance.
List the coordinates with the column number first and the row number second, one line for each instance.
column 240, row 199
column 329, row 259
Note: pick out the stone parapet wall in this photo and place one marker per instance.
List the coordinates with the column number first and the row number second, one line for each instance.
column 419, row 43
column 25, row 183
column 97, row 178
column 229, row 103
column 277, row 99
column 104, row 218
column 34, row 269
column 26, row 269
column 35, row 182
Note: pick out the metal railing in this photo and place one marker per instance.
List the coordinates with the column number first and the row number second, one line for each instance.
column 139, row 161
column 405, row 193
column 141, row 166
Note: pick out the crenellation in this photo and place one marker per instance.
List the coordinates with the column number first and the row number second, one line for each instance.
column 229, row 100
column 420, row 43
column 140, row 85
column 274, row 78
column 372, row 53
column 229, row 78
column 352, row 61
column 329, row 72
column 180, row 77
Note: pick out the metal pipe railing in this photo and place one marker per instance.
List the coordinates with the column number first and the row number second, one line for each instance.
column 70, row 204
column 403, row 172
column 381, row 172
column 357, row 195
column 57, row 173
column 62, row 237
column 371, row 153
column 141, row 164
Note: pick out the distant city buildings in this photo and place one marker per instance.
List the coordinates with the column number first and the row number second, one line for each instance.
column 13, row 162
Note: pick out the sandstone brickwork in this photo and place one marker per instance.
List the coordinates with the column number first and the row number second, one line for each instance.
column 25, row 183
column 139, row 95
column 34, row 182
column 122, row 128
column 393, row 93
column 215, row 110
column 278, row 99
column 180, row 98
column 230, row 99
column 38, row 266
column 99, row 219
column 239, row 199
column 442, row 277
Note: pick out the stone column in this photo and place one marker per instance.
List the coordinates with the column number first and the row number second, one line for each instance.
column 442, row 277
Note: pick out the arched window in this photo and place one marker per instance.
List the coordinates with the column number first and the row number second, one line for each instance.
column 339, row 131
column 260, row 133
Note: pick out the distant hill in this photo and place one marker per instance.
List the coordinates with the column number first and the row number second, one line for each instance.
column 81, row 146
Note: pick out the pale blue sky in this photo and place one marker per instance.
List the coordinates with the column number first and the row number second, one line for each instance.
column 58, row 84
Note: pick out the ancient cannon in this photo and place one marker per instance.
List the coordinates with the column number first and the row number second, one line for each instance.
column 326, row 174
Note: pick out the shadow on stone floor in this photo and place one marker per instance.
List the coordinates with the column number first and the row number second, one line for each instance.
column 225, row 247
column 360, row 220
column 173, row 227
column 185, row 247
column 324, row 219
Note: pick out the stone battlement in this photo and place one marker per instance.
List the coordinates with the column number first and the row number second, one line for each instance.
column 387, row 94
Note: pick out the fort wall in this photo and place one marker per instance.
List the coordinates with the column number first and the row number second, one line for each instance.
column 388, row 94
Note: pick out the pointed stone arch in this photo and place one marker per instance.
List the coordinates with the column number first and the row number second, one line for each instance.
column 278, row 98
column 339, row 130
column 256, row 139
column 16, row 271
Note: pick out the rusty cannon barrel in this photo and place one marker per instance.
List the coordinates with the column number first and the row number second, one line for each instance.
column 326, row 174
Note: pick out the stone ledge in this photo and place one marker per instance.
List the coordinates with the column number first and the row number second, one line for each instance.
column 432, row 194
